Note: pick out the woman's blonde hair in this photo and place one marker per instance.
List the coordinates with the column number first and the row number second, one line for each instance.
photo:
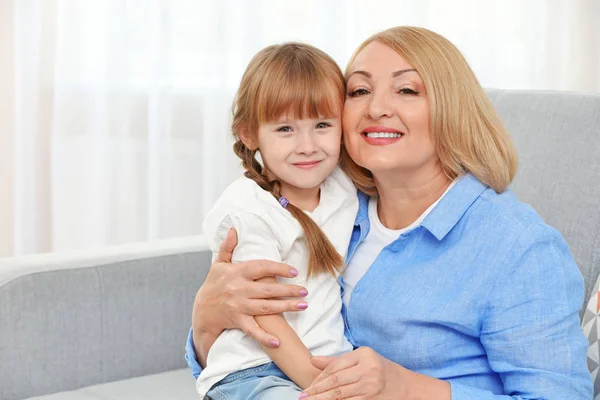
column 299, row 81
column 465, row 129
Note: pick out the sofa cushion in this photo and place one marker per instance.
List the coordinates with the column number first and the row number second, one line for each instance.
column 172, row 385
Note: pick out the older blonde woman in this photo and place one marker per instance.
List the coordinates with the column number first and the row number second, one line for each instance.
column 453, row 289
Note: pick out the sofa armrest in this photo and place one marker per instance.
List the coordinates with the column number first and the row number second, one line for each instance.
column 74, row 320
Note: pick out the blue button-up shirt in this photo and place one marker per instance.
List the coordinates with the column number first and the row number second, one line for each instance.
column 482, row 294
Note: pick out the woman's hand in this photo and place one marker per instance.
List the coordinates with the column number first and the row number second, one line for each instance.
column 363, row 374
column 360, row 374
column 230, row 297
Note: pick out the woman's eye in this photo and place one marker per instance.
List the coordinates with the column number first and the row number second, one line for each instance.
column 407, row 91
column 284, row 129
column 323, row 125
column 358, row 92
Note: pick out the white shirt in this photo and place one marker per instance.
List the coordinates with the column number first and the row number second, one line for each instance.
column 377, row 239
column 267, row 231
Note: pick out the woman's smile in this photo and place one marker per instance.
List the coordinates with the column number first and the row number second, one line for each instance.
column 381, row 135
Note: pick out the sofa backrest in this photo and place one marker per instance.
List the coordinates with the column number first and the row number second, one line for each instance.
column 557, row 135
column 79, row 319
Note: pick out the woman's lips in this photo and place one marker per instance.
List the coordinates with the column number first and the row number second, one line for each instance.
column 381, row 136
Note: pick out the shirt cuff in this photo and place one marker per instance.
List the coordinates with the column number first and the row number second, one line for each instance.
column 190, row 356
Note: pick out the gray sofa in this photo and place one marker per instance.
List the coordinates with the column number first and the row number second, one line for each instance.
column 112, row 324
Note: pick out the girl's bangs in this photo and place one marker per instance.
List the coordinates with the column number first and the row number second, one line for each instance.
column 303, row 95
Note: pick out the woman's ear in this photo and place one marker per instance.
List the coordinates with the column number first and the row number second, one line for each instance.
column 247, row 139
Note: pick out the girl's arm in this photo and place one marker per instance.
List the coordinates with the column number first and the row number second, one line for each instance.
column 216, row 306
column 257, row 241
column 292, row 356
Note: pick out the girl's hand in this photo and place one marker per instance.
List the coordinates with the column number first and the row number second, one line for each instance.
column 230, row 297
column 363, row 374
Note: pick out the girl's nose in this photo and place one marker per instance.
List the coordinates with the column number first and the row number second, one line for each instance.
column 306, row 143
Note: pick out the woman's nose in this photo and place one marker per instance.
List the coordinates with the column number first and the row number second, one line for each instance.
column 379, row 106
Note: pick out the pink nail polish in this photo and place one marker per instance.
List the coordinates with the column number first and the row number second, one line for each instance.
column 274, row 343
column 302, row 396
column 293, row 272
column 302, row 306
column 304, row 292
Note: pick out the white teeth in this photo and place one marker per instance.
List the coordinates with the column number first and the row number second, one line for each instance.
column 387, row 135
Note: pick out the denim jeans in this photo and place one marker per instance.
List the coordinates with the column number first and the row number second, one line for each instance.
column 265, row 382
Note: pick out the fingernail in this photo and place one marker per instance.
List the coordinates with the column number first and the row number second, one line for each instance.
column 293, row 272
column 304, row 292
column 274, row 343
column 302, row 396
column 302, row 306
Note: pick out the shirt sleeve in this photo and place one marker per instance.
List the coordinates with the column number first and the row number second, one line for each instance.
column 190, row 356
column 531, row 331
column 256, row 238
column 256, row 241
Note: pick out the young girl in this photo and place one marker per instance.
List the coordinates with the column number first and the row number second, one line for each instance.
column 297, row 207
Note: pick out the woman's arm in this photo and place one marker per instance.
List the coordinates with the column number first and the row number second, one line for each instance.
column 531, row 331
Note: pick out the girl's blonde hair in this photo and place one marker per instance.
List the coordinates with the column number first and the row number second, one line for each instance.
column 299, row 81
column 465, row 129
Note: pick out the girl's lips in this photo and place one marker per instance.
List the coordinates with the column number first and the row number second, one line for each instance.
column 306, row 164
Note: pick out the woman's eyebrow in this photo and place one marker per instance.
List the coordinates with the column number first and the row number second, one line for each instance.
column 365, row 73
column 402, row 71
column 394, row 74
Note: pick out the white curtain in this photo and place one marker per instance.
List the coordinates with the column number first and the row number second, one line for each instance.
column 114, row 114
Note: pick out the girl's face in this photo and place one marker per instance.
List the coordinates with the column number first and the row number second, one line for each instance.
column 300, row 153
column 386, row 114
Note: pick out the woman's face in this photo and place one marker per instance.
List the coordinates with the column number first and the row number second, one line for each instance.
column 386, row 114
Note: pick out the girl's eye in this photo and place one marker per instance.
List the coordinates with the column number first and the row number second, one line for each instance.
column 358, row 92
column 284, row 129
column 323, row 125
column 408, row 91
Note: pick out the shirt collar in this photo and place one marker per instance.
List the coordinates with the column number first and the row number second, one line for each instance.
column 446, row 214
column 453, row 206
column 363, row 209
